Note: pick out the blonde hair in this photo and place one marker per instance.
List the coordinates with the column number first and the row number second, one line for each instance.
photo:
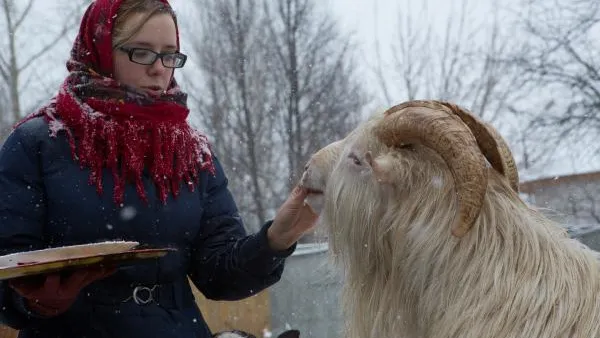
column 128, row 8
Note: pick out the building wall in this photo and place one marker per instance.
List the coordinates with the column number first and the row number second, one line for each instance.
column 574, row 200
column 590, row 238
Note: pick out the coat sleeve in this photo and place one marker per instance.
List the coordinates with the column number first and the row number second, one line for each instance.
column 226, row 263
column 22, row 210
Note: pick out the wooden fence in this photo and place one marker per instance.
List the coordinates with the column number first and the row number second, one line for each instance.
column 7, row 332
column 251, row 314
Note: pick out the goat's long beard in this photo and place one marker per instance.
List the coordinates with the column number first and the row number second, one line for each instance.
column 384, row 282
column 365, row 249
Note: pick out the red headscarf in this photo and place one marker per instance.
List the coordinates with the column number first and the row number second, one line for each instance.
column 110, row 125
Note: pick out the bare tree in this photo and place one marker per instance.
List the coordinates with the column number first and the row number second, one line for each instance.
column 561, row 63
column 467, row 58
column 236, row 104
column 4, row 113
column 317, row 87
column 277, row 83
column 464, row 63
column 16, row 58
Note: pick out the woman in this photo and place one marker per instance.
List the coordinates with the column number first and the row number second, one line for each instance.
column 112, row 157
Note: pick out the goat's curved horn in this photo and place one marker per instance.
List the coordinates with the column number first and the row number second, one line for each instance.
column 436, row 127
column 492, row 145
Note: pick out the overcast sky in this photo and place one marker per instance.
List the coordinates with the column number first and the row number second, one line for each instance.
column 365, row 19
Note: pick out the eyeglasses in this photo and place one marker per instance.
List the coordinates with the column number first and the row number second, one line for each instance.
column 145, row 56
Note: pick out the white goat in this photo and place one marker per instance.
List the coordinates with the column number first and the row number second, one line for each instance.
column 422, row 209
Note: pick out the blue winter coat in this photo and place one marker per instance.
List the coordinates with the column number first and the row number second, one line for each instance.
column 46, row 201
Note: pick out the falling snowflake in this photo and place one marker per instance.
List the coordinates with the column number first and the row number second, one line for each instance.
column 267, row 333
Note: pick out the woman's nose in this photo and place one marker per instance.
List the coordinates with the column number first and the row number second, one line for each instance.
column 157, row 67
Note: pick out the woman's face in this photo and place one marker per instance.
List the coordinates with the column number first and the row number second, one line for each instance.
column 157, row 34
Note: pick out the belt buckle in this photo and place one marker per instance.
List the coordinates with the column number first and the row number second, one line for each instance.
column 143, row 295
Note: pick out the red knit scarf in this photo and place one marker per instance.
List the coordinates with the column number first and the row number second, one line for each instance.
column 113, row 126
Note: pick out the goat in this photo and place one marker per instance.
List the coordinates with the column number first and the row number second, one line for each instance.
column 423, row 214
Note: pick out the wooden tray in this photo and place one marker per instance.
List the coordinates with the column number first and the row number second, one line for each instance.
column 51, row 260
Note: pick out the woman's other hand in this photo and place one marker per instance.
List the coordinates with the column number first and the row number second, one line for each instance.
column 293, row 219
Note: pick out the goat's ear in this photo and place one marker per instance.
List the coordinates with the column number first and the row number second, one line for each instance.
column 290, row 334
column 382, row 168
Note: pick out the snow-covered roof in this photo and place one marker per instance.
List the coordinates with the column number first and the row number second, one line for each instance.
column 310, row 248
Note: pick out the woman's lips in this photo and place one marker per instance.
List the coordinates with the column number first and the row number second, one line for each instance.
column 155, row 90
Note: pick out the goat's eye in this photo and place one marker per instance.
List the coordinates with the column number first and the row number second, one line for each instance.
column 354, row 159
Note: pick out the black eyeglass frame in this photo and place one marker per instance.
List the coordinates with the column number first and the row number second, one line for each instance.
column 131, row 50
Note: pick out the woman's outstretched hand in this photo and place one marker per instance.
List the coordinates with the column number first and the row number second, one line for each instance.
column 293, row 219
column 53, row 294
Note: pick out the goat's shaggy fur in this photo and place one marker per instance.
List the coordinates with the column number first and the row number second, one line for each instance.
column 514, row 274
